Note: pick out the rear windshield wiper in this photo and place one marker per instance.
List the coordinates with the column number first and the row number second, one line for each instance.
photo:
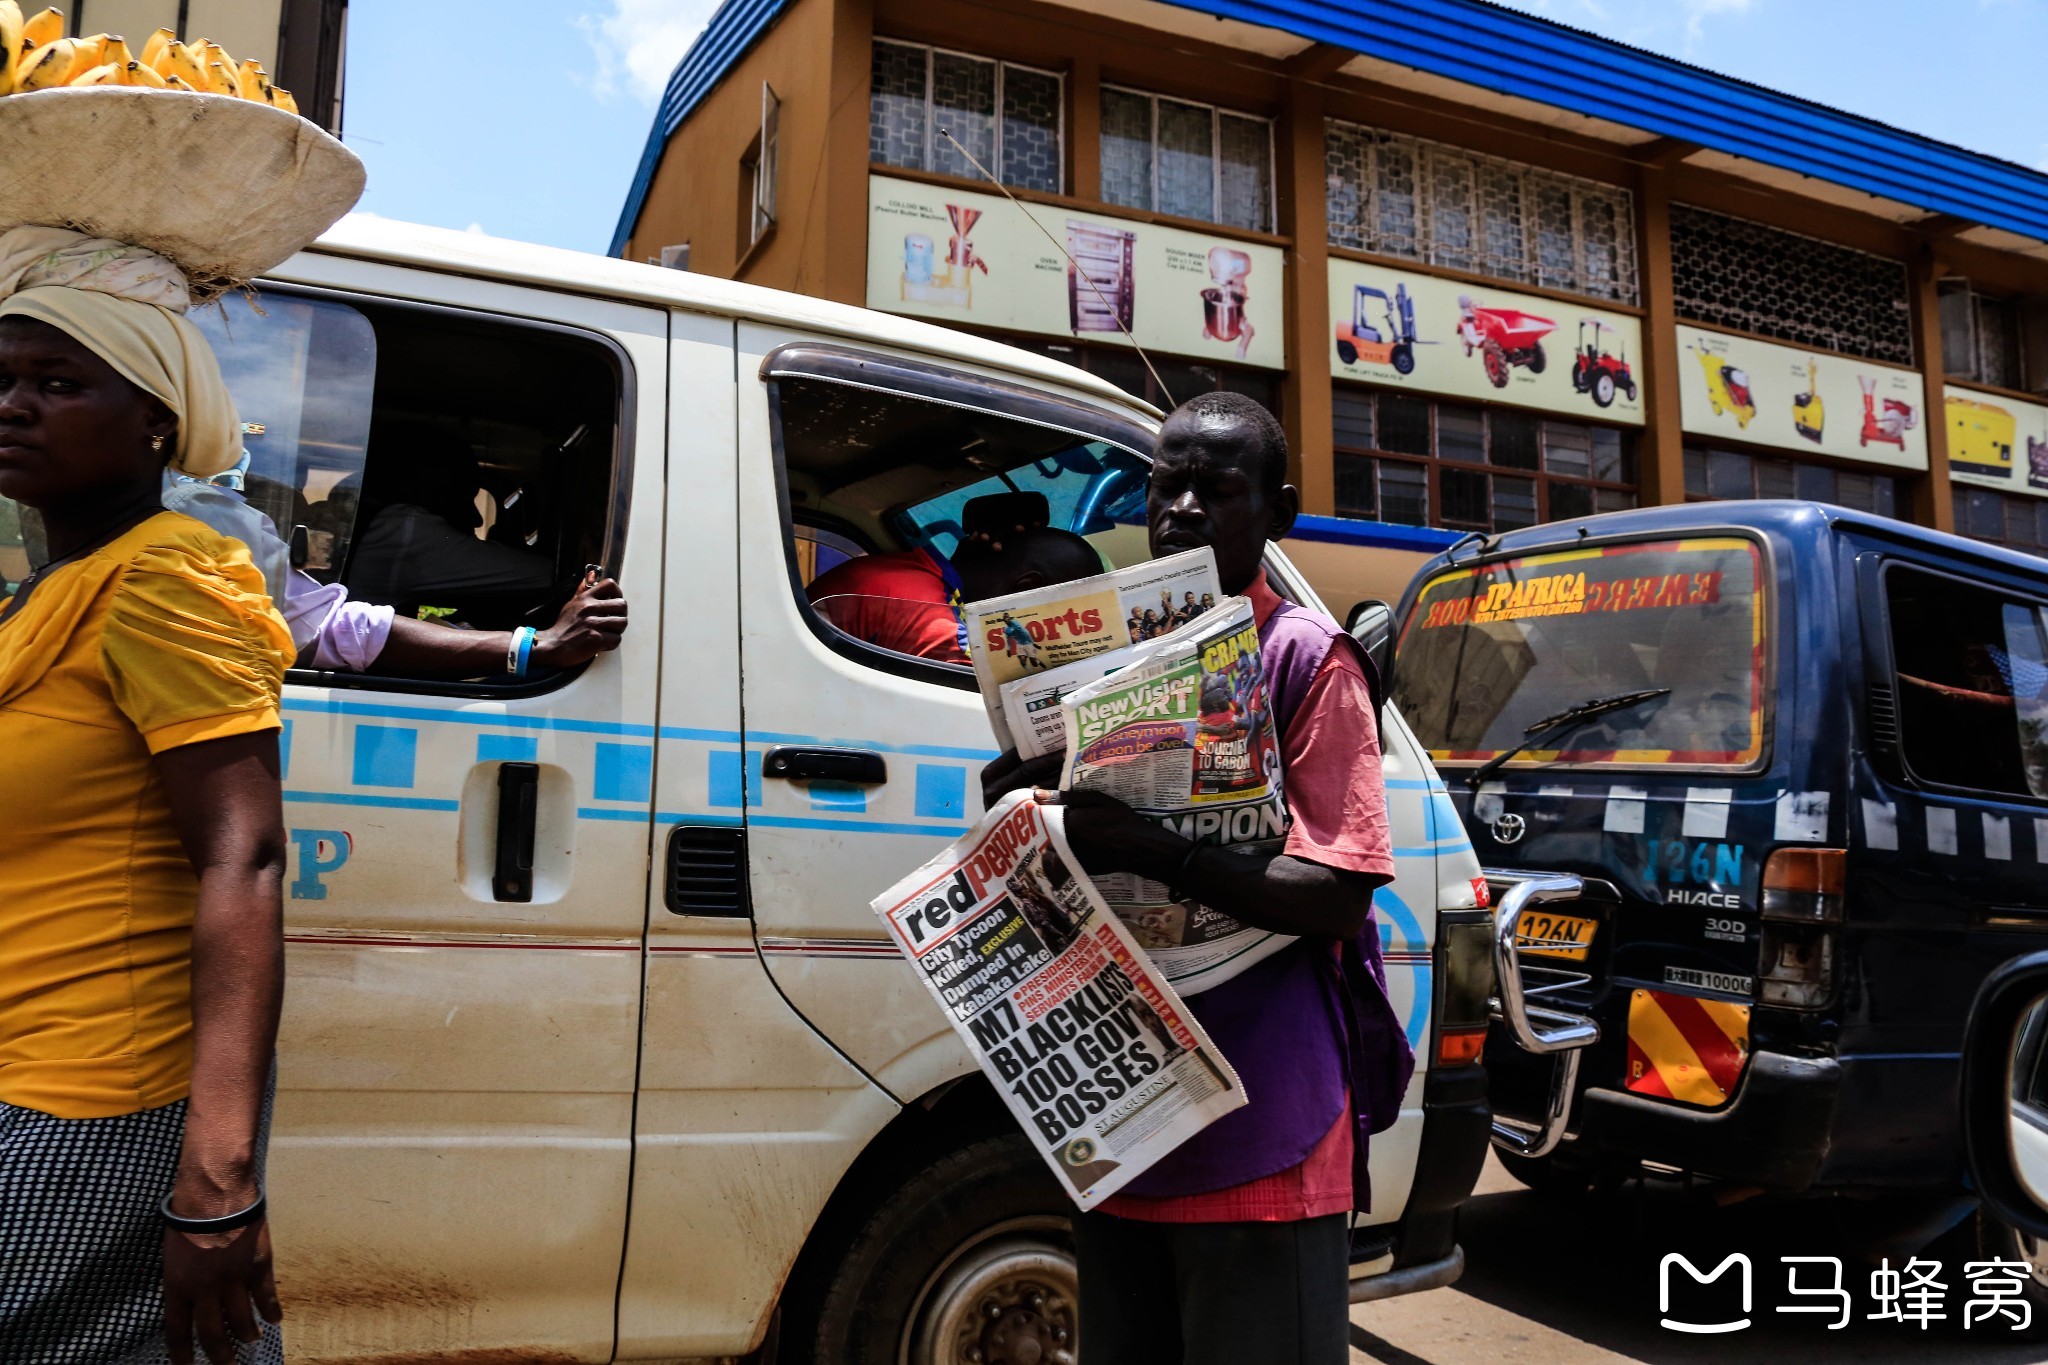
column 1561, row 723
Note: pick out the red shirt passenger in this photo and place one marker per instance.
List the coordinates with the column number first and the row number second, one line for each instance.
column 907, row 602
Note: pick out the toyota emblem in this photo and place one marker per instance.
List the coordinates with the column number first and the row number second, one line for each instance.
column 1509, row 829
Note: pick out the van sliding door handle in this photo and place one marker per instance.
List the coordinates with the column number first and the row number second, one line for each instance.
column 518, row 805
column 856, row 767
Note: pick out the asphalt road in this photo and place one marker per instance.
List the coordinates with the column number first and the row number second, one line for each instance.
column 1569, row 1279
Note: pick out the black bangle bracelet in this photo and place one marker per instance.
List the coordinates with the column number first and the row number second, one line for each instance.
column 1180, row 874
column 241, row 1218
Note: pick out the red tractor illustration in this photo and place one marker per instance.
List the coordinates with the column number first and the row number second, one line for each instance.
column 1598, row 373
column 1504, row 338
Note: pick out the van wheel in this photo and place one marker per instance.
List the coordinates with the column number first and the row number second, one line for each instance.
column 1998, row 1240
column 968, row 1262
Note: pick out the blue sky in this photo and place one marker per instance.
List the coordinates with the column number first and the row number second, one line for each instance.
column 525, row 119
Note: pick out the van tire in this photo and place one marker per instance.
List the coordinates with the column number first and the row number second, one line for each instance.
column 986, row 1223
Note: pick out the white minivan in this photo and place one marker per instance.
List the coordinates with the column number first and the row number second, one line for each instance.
column 592, row 1048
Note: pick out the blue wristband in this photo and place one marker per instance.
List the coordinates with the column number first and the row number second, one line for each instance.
column 522, row 640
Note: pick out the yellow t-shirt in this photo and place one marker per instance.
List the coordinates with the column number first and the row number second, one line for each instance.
column 164, row 637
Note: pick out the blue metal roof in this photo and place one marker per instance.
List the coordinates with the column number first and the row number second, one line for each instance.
column 1519, row 55
column 1378, row 535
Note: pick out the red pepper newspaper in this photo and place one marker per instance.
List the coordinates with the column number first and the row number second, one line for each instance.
column 1100, row 1061
column 1183, row 734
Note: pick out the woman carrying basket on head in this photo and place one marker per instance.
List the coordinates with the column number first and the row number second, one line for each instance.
column 141, row 666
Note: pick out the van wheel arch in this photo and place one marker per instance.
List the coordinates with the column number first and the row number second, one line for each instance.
column 949, row 1206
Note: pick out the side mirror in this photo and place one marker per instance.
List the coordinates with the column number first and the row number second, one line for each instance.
column 2005, row 1094
column 1371, row 623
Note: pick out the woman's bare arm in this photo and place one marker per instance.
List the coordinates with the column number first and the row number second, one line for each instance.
column 227, row 808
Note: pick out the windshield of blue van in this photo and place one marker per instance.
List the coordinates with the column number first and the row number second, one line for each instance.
column 1489, row 652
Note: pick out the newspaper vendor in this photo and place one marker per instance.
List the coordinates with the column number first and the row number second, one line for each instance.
column 1200, row 1258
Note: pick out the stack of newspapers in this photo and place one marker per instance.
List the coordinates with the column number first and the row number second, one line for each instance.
column 1067, row 988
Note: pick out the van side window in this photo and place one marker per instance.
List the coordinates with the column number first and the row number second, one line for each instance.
column 1972, row 671
column 455, row 467
column 889, row 466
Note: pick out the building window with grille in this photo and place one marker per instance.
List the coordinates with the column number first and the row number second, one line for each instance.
column 1418, row 462
column 1188, row 160
column 1712, row 475
column 1424, row 201
column 1981, row 339
column 2018, row 523
column 1728, row 272
column 1007, row 116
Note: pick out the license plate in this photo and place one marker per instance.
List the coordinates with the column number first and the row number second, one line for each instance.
column 1554, row 935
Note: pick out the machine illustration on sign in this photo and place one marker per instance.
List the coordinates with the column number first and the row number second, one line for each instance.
column 1809, row 414
column 1105, row 301
column 1891, row 419
column 923, row 282
column 1980, row 436
column 1597, row 373
column 1360, row 341
column 1223, row 311
column 1727, row 386
column 1504, row 338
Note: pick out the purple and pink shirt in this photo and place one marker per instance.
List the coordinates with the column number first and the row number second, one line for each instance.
column 1323, row 1059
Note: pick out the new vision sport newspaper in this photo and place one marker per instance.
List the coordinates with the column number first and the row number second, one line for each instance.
column 1091, row 1049
column 1183, row 733
column 1031, row 645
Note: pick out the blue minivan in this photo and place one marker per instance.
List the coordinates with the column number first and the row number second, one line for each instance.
column 1806, row 751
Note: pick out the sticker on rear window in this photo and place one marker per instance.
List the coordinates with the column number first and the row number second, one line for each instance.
column 1724, row 982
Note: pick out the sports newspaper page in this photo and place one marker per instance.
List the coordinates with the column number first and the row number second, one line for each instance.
column 1183, row 733
column 1094, row 1053
column 1029, row 634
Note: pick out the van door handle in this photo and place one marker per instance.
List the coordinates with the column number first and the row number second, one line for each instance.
column 518, row 804
column 856, row 767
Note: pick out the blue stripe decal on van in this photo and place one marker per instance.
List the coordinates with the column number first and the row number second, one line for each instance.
column 1396, row 910
column 392, row 802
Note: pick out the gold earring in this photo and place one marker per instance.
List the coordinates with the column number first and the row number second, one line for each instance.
column 156, row 444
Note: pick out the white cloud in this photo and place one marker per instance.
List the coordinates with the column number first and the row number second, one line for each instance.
column 1698, row 12
column 476, row 229
column 639, row 42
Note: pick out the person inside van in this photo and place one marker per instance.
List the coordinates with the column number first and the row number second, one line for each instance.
column 418, row 550
column 1236, row 1246
column 332, row 630
column 909, row 602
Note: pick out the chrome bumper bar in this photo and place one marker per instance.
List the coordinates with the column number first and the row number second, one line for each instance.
column 1536, row 1028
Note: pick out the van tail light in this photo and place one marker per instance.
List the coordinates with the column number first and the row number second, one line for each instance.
column 1802, row 902
column 1465, row 959
column 1804, row 885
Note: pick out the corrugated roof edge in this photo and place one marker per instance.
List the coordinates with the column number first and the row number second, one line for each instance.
column 1521, row 55
column 1378, row 535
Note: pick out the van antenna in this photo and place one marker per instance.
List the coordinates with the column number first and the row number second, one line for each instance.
column 1075, row 265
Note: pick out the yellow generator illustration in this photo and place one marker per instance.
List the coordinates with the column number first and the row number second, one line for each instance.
column 1980, row 437
column 1727, row 387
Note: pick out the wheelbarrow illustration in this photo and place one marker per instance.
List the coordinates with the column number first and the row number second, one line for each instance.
column 1395, row 345
column 1727, row 387
column 1504, row 338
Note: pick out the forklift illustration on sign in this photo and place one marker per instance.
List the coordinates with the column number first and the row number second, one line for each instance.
column 1808, row 412
column 1360, row 340
column 1727, row 387
column 1598, row 373
column 1504, row 338
column 1893, row 421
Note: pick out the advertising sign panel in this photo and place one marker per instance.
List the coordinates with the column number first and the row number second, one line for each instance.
column 975, row 259
column 1816, row 402
column 1997, row 442
column 1473, row 341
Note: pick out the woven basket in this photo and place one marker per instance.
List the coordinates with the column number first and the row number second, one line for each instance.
column 224, row 188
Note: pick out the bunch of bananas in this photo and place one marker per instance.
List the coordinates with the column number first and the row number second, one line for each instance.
column 35, row 55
